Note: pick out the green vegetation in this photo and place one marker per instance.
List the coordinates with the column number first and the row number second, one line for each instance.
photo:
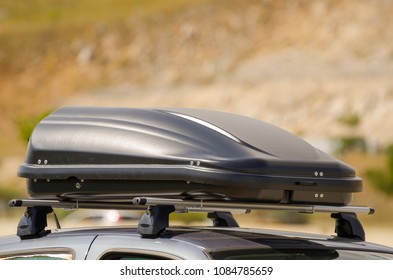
column 9, row 192
column 351, row 120
column 189, row 218
column 351, row 142
column 347, row 144
column 38, row 15
column 27, row 124
column 382, row 180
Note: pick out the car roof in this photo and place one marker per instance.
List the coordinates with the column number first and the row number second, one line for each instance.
column 215, row 238
column 195, row 242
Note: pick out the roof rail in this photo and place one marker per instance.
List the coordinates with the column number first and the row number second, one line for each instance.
column 156, row 218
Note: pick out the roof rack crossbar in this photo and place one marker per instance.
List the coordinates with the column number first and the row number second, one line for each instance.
column 155, row 220
column 141, row 203
column 75, row 204
column 201, row 204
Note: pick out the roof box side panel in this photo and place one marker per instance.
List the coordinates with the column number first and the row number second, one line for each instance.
column 279, row 147
column 181, row 152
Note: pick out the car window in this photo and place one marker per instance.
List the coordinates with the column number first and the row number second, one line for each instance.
column 131, row 256
column 40, row 256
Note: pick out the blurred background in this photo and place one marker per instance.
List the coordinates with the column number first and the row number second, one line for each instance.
column 321, row 69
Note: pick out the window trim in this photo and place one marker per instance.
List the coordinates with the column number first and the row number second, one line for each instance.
column 138, row 251
column 38, row 251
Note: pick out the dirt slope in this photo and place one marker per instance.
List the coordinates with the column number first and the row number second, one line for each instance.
column 299, row 64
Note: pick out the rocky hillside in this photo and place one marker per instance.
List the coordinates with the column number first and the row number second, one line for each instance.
column 302, row 65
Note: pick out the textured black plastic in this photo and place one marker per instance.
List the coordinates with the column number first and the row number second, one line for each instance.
column 115, row 153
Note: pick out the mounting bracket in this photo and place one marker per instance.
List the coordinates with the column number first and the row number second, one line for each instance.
column 222, row 219
column 348, row 226
column 33, row 223
column 155, row 220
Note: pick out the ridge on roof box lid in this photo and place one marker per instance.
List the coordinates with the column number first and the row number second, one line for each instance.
column 119, row 153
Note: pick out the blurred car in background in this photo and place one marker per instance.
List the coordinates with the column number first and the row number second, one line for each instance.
column 99, row 217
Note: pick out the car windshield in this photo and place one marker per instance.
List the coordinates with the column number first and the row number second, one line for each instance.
column 296, row 254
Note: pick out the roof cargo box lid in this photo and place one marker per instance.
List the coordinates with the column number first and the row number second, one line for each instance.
column 179, row 145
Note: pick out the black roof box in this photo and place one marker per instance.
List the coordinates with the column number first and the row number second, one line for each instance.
column 119, row 153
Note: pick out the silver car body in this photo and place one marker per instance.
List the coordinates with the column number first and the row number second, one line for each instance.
column 184, row 243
